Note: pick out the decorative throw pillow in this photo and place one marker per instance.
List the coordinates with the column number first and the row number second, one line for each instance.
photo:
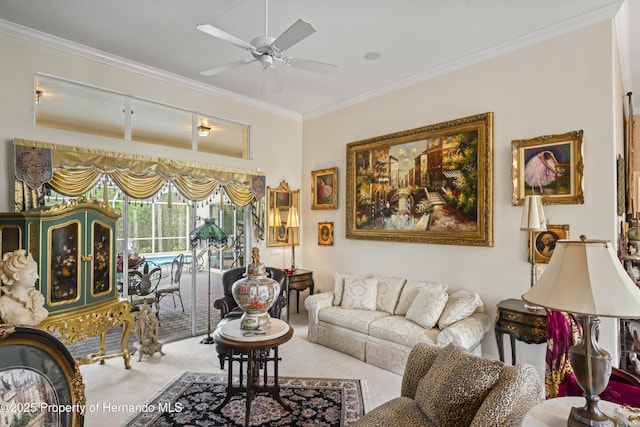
column 427, row 307
column 410, row 291
column 453, row 389
column 360, row 293
column 388, row 292
column 461, row 305
column 338, row 285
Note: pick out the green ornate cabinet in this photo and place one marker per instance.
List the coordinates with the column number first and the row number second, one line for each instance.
column 73, row 245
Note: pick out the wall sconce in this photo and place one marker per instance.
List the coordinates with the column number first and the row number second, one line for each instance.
column 38, row 95
column 204, row 130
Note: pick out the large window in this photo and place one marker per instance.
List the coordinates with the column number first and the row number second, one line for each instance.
column 81, row 108
column 160, row 226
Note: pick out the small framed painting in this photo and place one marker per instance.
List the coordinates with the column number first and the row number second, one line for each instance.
column 545, row 242
column 325, row 233
column 550, row 166
column 324, row 189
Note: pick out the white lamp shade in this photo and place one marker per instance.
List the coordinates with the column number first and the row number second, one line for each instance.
column 533, row 218
column 274, row 218
column 586, row 277
column 293, row 219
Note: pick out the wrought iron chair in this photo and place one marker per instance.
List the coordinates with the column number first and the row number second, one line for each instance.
column 199, row 262
column 173, row 287
column 144, row 284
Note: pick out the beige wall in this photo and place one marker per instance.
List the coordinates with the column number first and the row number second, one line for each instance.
column 276, row 147
column 557, row 86
column 561, row 85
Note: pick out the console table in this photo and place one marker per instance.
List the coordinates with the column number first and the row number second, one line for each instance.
column 92, row 322
column 257, row 349
column 298, row 281
column 520, row 323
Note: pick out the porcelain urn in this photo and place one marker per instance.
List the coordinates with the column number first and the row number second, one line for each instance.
column 255, row 293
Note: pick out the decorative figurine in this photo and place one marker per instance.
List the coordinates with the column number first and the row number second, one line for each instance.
column 20, row 302
column 146, row 330
column 255, row 294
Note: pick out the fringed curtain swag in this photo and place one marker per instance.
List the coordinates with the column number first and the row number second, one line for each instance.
column 76, row 170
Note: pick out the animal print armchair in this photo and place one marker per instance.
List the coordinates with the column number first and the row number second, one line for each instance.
column 450, row 387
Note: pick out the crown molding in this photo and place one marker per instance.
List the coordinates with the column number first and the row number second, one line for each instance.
column 594, row 17
column 55, row 42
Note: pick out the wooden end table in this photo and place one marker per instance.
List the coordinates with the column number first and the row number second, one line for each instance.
column 298, row 281
column 520, row 323
column 258, row 353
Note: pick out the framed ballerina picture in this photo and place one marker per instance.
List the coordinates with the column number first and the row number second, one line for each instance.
column 550, row 166
column 324, row 189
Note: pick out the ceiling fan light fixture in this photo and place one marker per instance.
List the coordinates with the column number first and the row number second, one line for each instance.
column 267, row 62
column 204, row 130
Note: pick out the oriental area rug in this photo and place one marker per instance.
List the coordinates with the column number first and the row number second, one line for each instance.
column 189, row 400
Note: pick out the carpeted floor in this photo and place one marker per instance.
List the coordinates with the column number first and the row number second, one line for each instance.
column 189, row 398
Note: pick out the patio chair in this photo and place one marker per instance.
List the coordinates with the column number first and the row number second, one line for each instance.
column 199, row 262
column 143, row 285
column 173, row 287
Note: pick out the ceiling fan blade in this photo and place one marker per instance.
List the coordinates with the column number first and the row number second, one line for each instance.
column 224, row 36
column 221, row 68
column 269, row 82
column 298, row 31
column 309, row 65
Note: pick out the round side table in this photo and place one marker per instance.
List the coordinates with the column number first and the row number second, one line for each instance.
column 555, row 412
column 230, row 336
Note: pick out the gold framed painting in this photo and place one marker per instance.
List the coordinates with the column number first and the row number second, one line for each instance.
column 545, row 242
column 432, row 184
column 324, row 189
column 325, row 233
column 550, row 166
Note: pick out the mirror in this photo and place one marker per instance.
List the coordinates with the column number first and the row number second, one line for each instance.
column 283, row 216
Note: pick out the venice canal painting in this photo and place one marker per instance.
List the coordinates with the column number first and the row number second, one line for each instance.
column 421, row 187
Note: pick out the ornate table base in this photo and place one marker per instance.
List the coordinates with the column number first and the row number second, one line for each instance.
column 74, row 327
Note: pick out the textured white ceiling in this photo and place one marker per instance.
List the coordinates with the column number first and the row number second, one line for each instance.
column 417, row 39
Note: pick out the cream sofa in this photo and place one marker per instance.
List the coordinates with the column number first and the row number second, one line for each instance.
column 380, row 319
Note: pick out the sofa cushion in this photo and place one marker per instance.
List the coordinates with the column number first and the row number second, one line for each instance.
column 456, row 385
column 400, row 330
column 461, row 305
column 354, row 319
column 360, row 293
column 426, row 309
column 338, row 285
column 389, row 289
column 410, row 291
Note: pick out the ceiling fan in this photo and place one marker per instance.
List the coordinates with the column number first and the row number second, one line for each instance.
column 269, row 50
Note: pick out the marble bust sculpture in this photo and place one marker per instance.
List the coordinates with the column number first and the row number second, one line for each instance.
column 20, row 302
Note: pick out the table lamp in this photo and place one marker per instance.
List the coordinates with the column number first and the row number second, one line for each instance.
column 585, row 277
column 293, row 222
column 533, row 220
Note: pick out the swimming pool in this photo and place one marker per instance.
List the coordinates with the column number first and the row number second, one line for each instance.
column 162, row 259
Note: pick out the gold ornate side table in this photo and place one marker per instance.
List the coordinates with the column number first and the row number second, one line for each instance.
column 520, row 323
column 95, row 321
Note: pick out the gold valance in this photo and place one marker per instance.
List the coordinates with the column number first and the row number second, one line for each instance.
column 77, row 169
